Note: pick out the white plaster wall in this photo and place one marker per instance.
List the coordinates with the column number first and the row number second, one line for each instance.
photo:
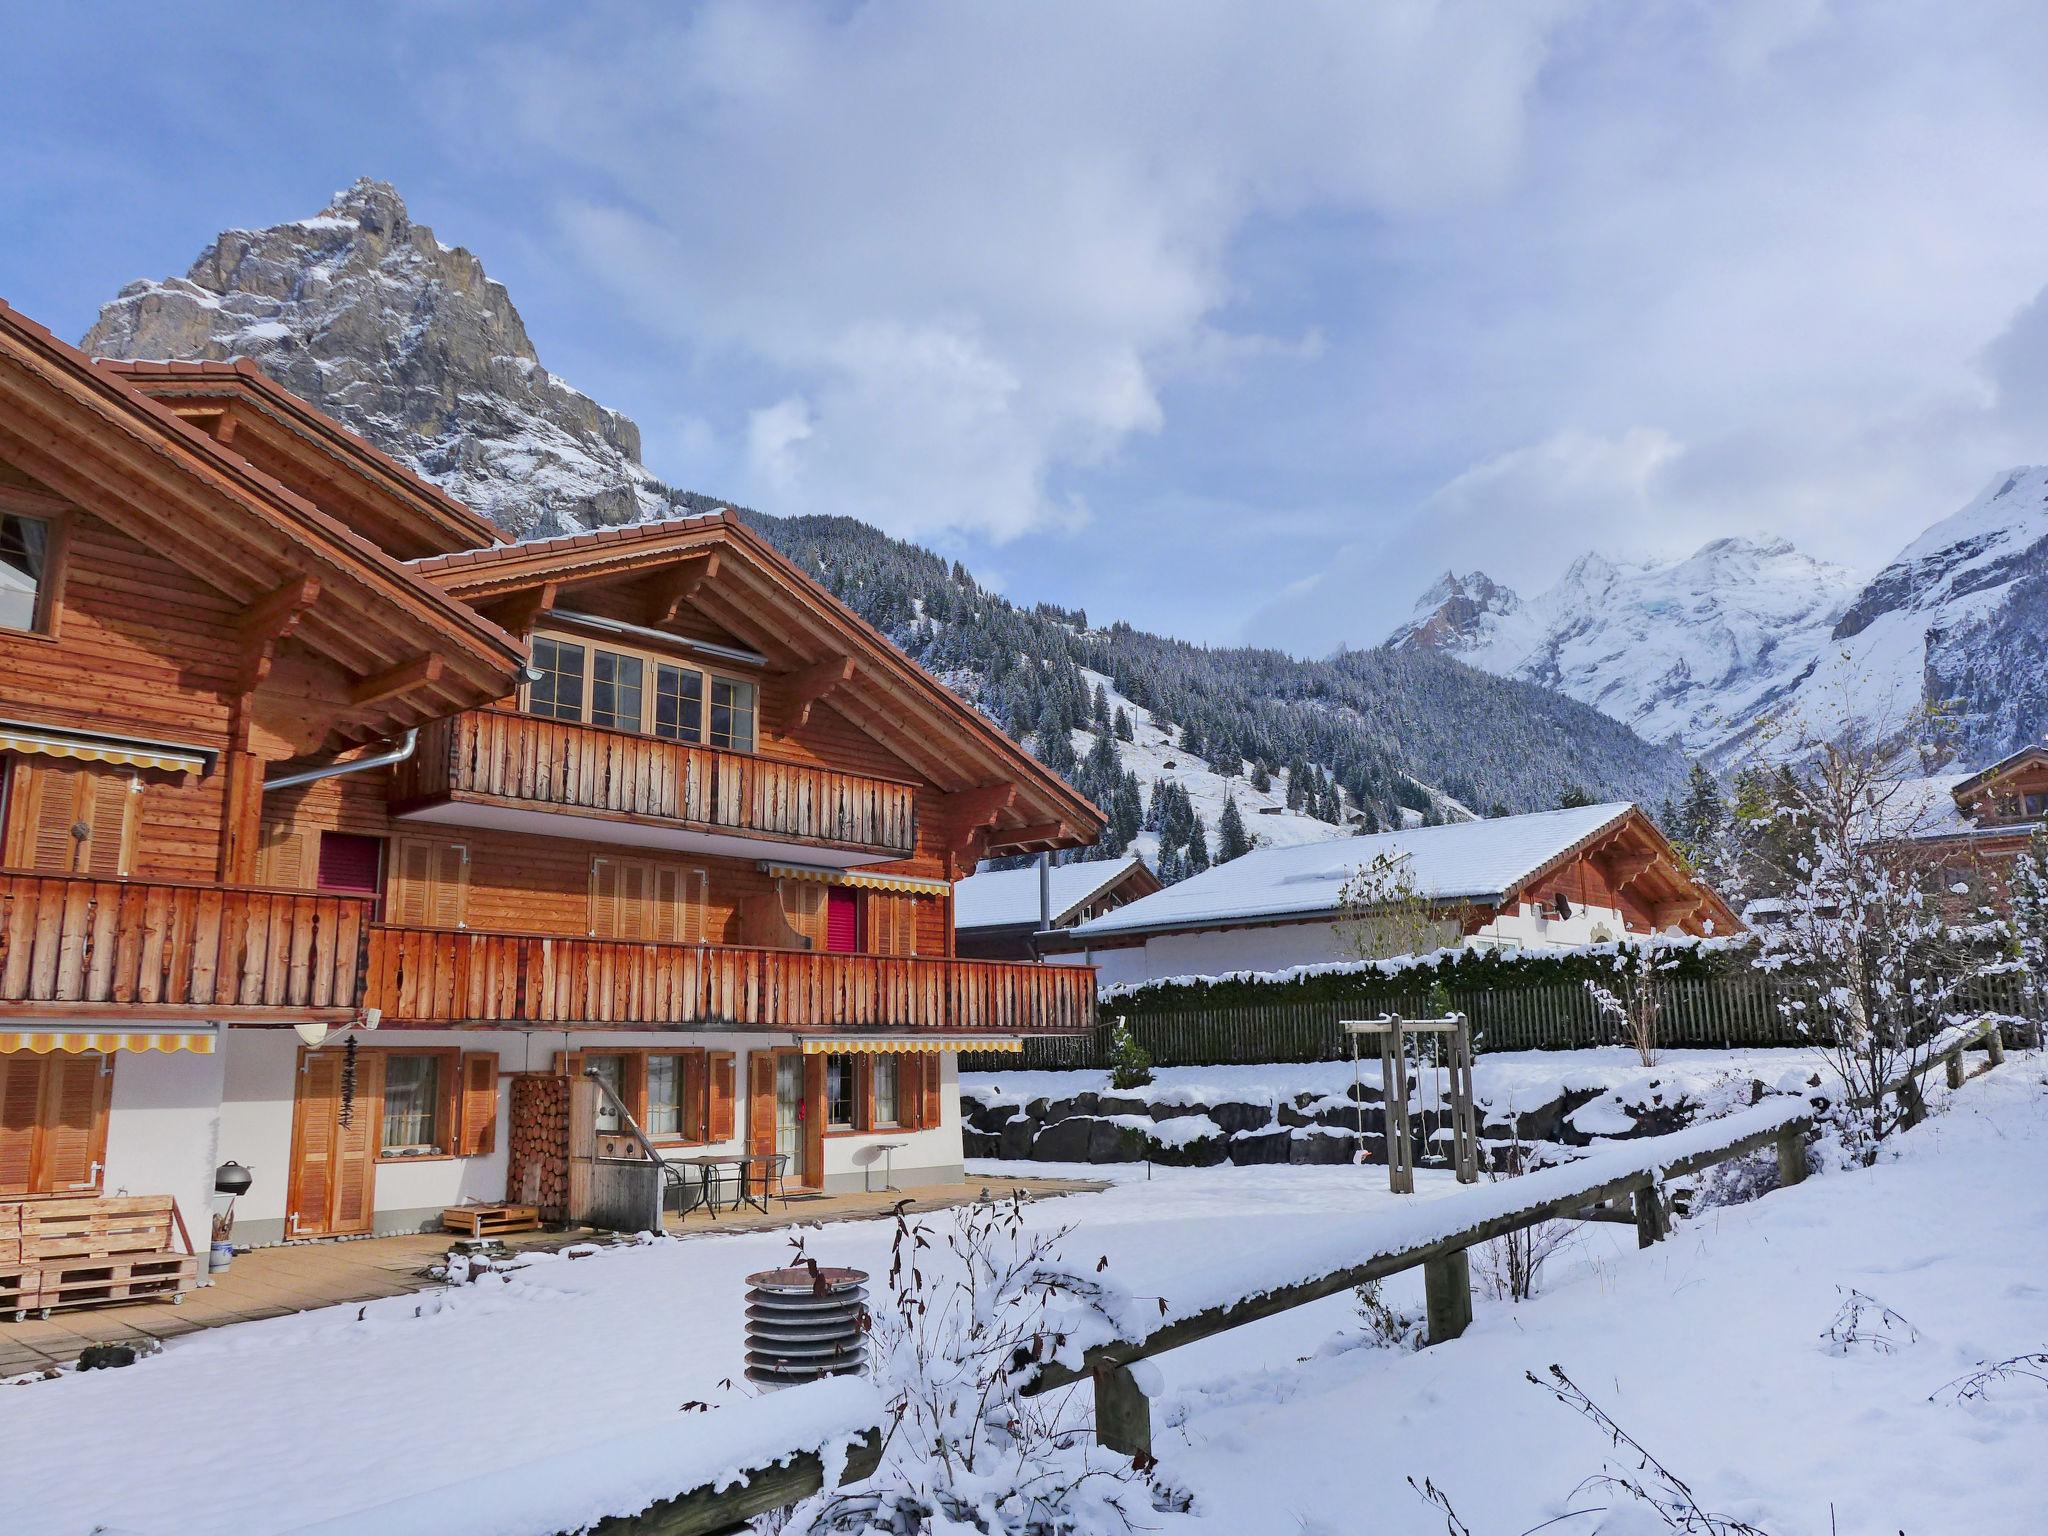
column 256, row 1124
column 1528, row 927
column 161, row 1122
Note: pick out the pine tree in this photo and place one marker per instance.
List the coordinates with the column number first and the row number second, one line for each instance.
column 1198, row 850
column 1123, row 726
column 1572, row 797
column 1172, row 865
column 1231, row 839
column 1099, row 709
column 1262, row 778
column 1055, row 748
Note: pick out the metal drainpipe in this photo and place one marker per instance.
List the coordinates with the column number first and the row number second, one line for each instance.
column 1044, row 905
column 394, row 754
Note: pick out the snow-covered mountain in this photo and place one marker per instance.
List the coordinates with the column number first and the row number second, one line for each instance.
column 365, row 314
column 1689, row 651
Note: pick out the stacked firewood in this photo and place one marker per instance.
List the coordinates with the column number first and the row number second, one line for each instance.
column 538, row 1170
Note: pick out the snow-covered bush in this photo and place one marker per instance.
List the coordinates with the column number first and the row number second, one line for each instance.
column 972, row 1307
column 1130, row 1064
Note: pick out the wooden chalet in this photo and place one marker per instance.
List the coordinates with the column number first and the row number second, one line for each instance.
column 337, row 838
column 1966, row 829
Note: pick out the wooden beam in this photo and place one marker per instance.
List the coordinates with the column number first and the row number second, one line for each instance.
column 674, row 592
column 393, row 681
column 1624, row 872
column 805, row 688
column 276, row 614
column 1022, row 837
column 517, row 614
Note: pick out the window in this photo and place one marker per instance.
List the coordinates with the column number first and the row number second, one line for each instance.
column 24, row 570
column 679, row 703
column 664, row 1118
column 732, row 714
column 412, row 1105
column 558, row 691
column 349, row 862
column 2036, row 803
column 615, row 690
column 839, row 1093
column 611, row 1071
column 888, row 1075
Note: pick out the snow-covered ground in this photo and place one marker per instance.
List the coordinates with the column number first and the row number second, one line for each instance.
column 1708, row 1348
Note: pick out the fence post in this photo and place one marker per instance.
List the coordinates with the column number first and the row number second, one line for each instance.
column 1447, row 1294
column 1123, row 1416
column 1994, row 1041
column 1791, row 1156
column 1653, row 1222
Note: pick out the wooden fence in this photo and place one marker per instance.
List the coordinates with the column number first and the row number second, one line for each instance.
column 1742, row 1008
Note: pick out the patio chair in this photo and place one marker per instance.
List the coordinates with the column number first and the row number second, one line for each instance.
column 774, row 1173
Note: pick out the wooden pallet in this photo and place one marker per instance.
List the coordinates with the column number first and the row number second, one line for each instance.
column 19, row 1288
column 56, row 1231
column 159, row 1277
column 490, row 1220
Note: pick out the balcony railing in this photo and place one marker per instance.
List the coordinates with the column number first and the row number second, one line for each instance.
column 438, row 976
column 70, row 944
column 519, row 758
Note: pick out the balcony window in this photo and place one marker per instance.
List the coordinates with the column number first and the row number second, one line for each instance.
column 732, row 714
column 558, row 692
column 412, row 1102
column 840, row 1093
column 679, row 703
column 615, row 690
column 888, row 1075
column 24, row 570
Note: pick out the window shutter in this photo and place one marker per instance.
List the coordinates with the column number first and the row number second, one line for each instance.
column 803, row 908
column 604, row 898
column 109, row 852
column 681, row 894
column 54, row 810
column 636, row 899
column 285, row 855
column 864, row 1092
column 311, row 1197
column 695, row 1109
column 479, row 1133
column 64, row 799
column 931, row 1112
column 21, row 1108
column 892, row 923
column 719, row 1072
column 761, row 1102
column 451, row 885
column 355, row 1149
column 75, row 1122
column 414, row 901
column 842, row 920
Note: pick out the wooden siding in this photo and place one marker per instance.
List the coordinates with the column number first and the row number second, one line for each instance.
column 523, row 758
column 428, row 976
column 71, row 944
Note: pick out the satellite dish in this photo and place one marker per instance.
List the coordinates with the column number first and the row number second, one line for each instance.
column 1564, row 906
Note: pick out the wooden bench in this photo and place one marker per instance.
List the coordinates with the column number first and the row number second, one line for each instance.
column 92, row 1251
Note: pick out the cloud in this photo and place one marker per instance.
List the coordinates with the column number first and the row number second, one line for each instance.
column 968, row 251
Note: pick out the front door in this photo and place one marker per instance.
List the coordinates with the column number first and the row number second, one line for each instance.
column 790, row 1108
column 332, row 1190
column 53, row 1122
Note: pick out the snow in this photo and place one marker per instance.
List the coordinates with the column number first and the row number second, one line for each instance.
column 1707, row 1347
column 1461, row 859
column 1009, row 897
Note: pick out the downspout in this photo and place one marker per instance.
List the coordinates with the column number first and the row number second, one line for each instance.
column 396, row 753
column 1044, row 906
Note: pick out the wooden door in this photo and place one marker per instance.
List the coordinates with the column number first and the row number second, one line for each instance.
column 333, row 1180
column 73, row 821
column 53, row 1122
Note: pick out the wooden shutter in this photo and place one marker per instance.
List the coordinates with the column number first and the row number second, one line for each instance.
column 451, row 886
column 60, row 801
column 287, row 855
column 21, row 1114
column 718, row 1071
column 814, row 1121
column 891, row 924
column 931, row 1109
column 636, row 899
column 694, row 1111
column 761, row 1102
column 433, row 883
column 682, row 895
column 479, row 1133
column 311, row 1196
column 74, row 1123
column 842, row 920
column 355, row 1149
column 803, row 908
column 604, row 898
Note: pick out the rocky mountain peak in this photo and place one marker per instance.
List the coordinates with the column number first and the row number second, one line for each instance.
column 367, row 315
column 1453, row 609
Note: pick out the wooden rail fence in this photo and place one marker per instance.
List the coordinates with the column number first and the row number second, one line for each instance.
column 443, row 976
column 515, row 757
column 72, row 943
column 1742, row 1008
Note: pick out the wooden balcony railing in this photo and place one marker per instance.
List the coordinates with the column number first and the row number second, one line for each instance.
column 514, row 757
column 435, row 976
column 72, row 944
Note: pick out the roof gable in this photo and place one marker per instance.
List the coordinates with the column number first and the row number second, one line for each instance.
column 1008, row 898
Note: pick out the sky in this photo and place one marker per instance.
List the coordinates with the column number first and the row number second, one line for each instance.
column 1238, row 322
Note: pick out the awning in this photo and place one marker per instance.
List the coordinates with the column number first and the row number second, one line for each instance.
column 116, row 751
column 909, row 885
column 894, row 1044
column 42, row 1042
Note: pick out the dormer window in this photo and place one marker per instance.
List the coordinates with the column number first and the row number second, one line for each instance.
column 640, row 691
column 24, row 571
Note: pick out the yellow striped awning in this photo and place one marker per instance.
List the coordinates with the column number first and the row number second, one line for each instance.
column 909, row 885
column 870, row 1046
column 102, row 749
column 42, row 1042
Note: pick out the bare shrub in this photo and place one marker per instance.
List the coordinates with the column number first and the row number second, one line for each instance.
column 1977, row 1385
column 1864, row 1323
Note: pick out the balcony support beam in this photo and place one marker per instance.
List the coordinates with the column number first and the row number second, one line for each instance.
column 393, row 681
column 517, row 614
column 680, row 586
column 805, row 688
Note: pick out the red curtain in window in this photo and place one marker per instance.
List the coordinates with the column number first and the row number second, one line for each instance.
column 349, row 862
column 842, row 921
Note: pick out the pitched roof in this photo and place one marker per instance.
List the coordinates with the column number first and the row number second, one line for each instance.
column 1462, row 861
column 750, row 589
column 1968, row 784
column 101, row 444
column 1008, row 898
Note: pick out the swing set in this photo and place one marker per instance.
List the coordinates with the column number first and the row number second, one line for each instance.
column 1409, row 1049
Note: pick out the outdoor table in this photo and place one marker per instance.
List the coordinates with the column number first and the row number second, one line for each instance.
column 888, row 1150
column 708, row 1165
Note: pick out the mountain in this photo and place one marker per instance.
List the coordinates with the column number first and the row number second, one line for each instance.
column 1689, row 651
column 407, row 340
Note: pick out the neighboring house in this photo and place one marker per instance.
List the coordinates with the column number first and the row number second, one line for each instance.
column 1969, row 826
column 996, row 912
column 336, row 834
column 1549, row 880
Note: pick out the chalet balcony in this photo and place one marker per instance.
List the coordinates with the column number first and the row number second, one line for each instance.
column 494, row 768
column 438, row 976
column 73, row 946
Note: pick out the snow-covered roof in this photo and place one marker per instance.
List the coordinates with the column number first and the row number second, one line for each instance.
column 1919, row 808
column 1008, row 898
column 1461, row 861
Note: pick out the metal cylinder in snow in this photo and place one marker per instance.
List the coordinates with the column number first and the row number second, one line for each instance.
column 805, row 1322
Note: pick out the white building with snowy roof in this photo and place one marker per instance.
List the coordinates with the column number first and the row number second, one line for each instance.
column 996, row 912
column 1553, row 879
